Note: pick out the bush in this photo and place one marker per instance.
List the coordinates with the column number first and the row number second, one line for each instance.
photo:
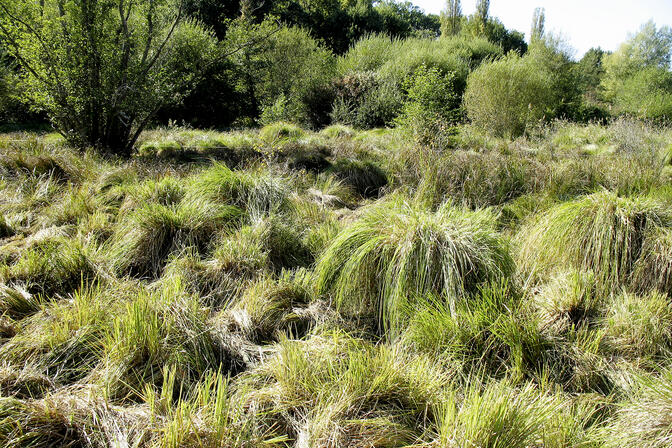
column 431, row 108
column 397, row 251
column 647, row 94
column 508, row 95
column 365, row 100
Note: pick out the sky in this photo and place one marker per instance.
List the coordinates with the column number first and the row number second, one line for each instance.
column 583, row 23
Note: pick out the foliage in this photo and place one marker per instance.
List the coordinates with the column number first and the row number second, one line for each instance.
column 432, row 106
column 101, row 71
column 507, row 96
column 637, row 75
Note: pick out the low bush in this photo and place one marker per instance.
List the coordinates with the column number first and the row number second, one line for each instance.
column 508, row 95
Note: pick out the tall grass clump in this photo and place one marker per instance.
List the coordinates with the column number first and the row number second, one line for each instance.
column 258, row 192
column 494, row 415
column 644, row 420
column 490, row 333
column 397, row 250
column 365, row 177
column 339, row 391
column 653, row 270
column 602, row 233
column 640, row 327
column 55, row 266
column 159, row 329
column 143, row 240
column 65, row 341
column 275, row 133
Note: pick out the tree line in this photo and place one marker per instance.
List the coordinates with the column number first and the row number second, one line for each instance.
column 101, row 71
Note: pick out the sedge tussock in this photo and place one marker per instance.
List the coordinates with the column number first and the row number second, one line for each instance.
column 398, row 250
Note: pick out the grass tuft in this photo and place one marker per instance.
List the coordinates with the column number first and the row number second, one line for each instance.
column 397, row 251
column 602, row 233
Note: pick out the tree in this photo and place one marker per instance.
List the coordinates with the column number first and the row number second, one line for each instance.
column 101, row 69
column 538, row 24
column 483, row 10
column 637, row 76
column 451, row 18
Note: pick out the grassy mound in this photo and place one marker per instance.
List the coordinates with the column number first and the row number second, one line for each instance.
column 277, row 132
column 366, row 178
column 644, row 420
column 602, row 233
column 259, row 192
column 397, row 250
column 143, row 241
column 335, row 390
column 55, row 266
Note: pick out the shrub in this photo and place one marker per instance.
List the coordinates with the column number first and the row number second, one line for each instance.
column 365, row 100
column 602, row 233
column 397, row 251
column 88, row 101
column 431, row 107
column 506, row 96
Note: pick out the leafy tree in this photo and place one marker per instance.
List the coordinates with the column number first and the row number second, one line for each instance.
column 636, row 75
column 280, row 66
column 451, row 18
column 495, row 31
column 483, row 10
column 102, row 69
column 538, row 25
column 432, row 106
column 554, row 56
